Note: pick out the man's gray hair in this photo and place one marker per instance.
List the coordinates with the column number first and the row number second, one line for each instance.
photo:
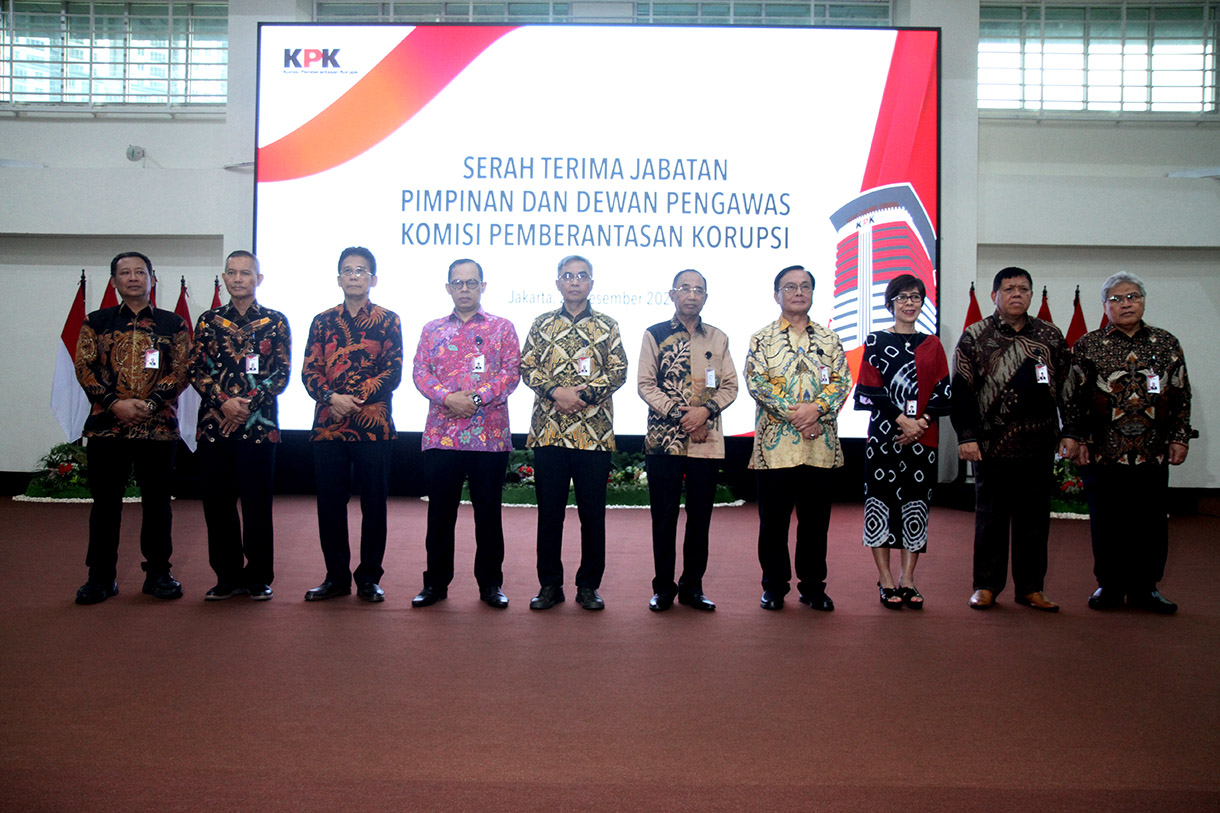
column 575, row 258
column 1118, row 279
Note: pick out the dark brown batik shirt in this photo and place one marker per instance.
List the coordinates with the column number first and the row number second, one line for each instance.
column 1131, row 395
column 122, row 355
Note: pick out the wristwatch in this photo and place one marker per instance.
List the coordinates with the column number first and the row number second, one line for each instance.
column 326, row 396
column 478, row 400
column 152, row 406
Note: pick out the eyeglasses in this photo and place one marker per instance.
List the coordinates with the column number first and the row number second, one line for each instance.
column 914, row 299
column 791, row 289
column 579, row 276
column 697, row 290
column 355, row 273
column 1132, row 297
column 467, row 284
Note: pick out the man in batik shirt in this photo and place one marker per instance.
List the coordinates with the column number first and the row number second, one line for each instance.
column 797, row 374
column 686, row 377
column 1130, row 410
column 240, row 365
column 573, row 360
column 466, row 365
column 1011, row 372
column 131, row 360
column 353, row 364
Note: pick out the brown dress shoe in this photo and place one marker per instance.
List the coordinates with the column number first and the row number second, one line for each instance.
column 1038, row 601
column 982, row 599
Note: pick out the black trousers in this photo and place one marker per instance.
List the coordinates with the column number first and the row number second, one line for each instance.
column 1011, row 493
column 241, row 552
column 111, row 461
column 666, row 476
column 338, row 465
column 447, row 470
column 555, row 467
column 807, row 489
column 1130, row 529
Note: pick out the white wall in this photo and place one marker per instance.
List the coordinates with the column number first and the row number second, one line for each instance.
column 1070, row 201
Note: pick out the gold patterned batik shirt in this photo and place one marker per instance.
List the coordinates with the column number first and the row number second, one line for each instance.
column 122, row 355
column 562, row 351
column 785, row 367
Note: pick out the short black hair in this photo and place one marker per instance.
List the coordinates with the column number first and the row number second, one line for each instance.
column 690, row 271
column 241, row 252
column 812, row 282
column 1008, row 273
column 359, row 251
column 901, row 283
column 456, row 263
column 114, row 264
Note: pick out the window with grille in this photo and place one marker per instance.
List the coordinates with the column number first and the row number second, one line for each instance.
column 727, row 12
column 93, row 53
column 1113, row 57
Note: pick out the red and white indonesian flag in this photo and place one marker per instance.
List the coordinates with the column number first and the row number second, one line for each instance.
column 188, row 401
column 69, row 404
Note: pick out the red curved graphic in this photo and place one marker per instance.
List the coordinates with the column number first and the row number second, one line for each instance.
column 397, row 88
column 904, row 141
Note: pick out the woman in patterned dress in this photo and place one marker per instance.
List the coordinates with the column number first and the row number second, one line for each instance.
column 904, row 382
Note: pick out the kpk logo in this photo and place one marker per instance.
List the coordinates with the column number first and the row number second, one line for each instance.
column 310, row 57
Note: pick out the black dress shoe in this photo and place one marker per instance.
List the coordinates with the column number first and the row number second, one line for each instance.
column 1152, row 601
column 820, row 602
column 261, row 592
column 220, row 592
column 162, row 585
column 1105, row 598
column 772, row 600
column 371, row 592
column 429, row 596
column 328, row 589
column 696, row 600
column 93, row 593
column 660, row 602
column 548, row 597
column 588, row 598
column 494, row 597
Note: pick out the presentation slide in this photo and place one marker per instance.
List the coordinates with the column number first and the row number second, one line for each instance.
column 646, row 149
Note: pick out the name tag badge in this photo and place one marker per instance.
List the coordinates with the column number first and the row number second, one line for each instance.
column 252, row 364
column 912, row 408
column 478, row 364
column 152, row 359
column 584, row 366
column 825, row 376
column 1043, row 375
column 1154, row 384
column 709, row 378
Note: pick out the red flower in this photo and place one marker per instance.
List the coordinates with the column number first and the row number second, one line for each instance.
column 65, row 469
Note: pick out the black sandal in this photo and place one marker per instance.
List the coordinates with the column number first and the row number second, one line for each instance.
column 911, row 597
column 888, row 594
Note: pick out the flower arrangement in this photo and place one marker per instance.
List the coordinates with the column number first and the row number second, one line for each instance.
column 627, row 483
column 63, row 474
column 1068, row 496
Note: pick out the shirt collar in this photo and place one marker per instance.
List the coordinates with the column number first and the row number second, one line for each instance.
column 149, row 307
column 479, row 314
column 784, row 324
column 587, row 313
column 676, row 324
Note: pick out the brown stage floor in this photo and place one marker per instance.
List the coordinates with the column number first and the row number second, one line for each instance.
column 139, row 704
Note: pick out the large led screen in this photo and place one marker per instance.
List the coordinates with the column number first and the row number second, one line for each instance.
column 646, row 149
